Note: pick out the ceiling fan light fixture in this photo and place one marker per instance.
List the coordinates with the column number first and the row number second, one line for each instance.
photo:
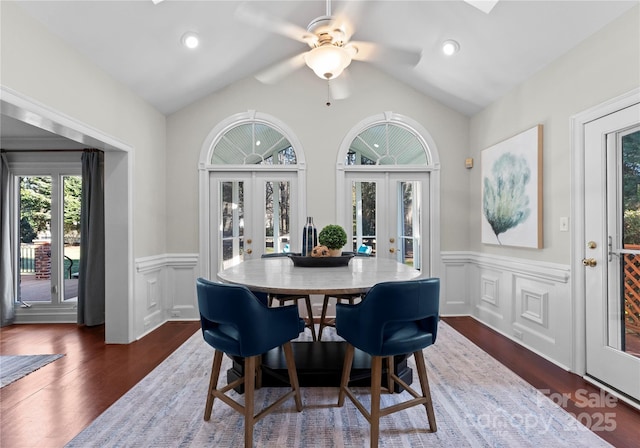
column 190, row 40
column 328, row 61
column 450, row 47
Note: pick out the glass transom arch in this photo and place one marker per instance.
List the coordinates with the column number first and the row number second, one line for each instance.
column 253, row 144
column 386, row 144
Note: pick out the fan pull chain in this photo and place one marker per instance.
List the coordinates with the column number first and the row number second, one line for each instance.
column 328, row 103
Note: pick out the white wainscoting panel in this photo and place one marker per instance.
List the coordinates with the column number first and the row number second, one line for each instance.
column 149, row 289
column 454, row 284
column 527, row 301
column 164, row 290
column 182, row 302
column 490, row 305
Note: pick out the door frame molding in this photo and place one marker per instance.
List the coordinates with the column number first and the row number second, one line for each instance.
column 118, row 196
column 578, row 293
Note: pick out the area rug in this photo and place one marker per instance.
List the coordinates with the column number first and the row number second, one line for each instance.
column 478, row 403
column 14, row 367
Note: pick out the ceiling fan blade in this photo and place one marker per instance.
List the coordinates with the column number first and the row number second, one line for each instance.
column 368, row 51
column 483, row 5
column 346, row 17
column 261, row 19
column 282, row 69
column 340, row 87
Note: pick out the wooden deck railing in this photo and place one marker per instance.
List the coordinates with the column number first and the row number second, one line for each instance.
column 632, row 289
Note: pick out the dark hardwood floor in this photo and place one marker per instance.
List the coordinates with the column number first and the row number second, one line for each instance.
column 53, row 404
column 50, row 406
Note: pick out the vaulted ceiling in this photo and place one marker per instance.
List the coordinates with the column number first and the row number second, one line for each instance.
column 139, row 42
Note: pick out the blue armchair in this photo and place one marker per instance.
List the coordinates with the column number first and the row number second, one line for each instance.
column 237, row 323
column 393, row 318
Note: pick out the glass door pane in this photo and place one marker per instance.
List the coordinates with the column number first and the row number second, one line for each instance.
column 363, row 200
column 35, row 239
column 232, row 222
column 409, row 223
column 277, row 214
column 72, row 197
column 625, row 328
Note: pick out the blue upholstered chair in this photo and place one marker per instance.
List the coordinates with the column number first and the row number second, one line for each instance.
column 235, row 322
column 284, row 298
column 393, row 318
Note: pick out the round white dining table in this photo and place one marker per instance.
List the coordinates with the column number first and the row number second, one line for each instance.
column 318, row 364
column 279, row 275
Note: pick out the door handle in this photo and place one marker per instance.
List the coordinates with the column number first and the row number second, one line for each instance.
column 249, row 251
column 392, row 250
column 591, row 262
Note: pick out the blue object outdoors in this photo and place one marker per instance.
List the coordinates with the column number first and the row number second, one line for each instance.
column 364, row 249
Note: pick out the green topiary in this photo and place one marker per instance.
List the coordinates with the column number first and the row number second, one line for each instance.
column 333, row 236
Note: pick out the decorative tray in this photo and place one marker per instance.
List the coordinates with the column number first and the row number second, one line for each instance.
column 320, row 262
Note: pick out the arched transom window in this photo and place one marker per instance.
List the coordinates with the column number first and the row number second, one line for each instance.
column 253, row 144
column 386, row 144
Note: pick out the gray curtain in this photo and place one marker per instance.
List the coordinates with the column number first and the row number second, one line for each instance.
column 7, row 249
column 91, row 277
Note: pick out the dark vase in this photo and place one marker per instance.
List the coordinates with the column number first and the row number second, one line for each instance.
column 309, row 237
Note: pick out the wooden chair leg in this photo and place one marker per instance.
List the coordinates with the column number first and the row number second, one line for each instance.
column 259, row 372
column 249, row 385
column 346, row 373
column 426, row 391
column 293, row 374
column 376, row 378
column 390, row 373
column 323, row 316
column 213, row 383
column 312, row 325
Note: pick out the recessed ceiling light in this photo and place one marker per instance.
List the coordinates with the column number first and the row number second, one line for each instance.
column 450, row 47
column 190, row 40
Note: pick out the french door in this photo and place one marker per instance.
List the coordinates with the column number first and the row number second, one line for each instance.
column 385, row 213
column 612, row 249
column 47, row 214
column 252, row 213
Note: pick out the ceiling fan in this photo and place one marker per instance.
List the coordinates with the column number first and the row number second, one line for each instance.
column 331, row 49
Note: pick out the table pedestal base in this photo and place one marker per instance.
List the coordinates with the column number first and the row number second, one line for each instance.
column 319, row 364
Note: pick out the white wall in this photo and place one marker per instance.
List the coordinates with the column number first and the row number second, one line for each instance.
column 42, row 67
column 526, row 294
column 299, row 101
column 602, row 67
column 43, row 78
